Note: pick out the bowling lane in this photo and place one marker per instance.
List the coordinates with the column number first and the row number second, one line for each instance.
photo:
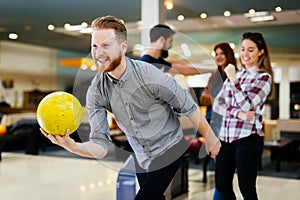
column 29, row 177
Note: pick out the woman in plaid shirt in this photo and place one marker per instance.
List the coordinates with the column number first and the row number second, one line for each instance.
column 240, row 101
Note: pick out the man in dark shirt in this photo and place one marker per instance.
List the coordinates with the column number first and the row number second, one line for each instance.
column 161, row 38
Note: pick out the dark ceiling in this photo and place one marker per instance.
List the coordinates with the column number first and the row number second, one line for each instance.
column 30, row 18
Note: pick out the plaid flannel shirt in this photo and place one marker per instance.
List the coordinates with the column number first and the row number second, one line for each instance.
column 248, row 92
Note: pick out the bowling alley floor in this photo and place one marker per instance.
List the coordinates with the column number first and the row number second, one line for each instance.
column 29, row 177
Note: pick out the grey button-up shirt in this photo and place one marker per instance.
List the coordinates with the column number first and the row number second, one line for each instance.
column 145, row 103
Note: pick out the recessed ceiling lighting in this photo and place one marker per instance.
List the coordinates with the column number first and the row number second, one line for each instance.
column 262, row 18
column 203, row 15
column 251, row 11
column 256, row 14
column 51, row 27
column 169, row 4
column 278, row 9
column 227, row 13
column 84, row 24
column 67, row 26
column 13, row 36
column 180, row 18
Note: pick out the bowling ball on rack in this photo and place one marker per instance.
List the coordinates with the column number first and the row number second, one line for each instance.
column 59, row 111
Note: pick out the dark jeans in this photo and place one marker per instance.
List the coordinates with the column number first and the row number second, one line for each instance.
column 244, row 156
column 154, row 182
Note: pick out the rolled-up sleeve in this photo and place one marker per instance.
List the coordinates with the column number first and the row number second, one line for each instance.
column 98, row 118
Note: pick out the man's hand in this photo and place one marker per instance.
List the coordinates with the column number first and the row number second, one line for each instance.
column 212, row 145
column 64, row 141
column 230, row 72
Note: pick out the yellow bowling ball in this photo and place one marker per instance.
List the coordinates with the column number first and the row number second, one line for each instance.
column 59, row 111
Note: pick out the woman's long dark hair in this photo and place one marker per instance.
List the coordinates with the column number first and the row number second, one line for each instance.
column 229, row 54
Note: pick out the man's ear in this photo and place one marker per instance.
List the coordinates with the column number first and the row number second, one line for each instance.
column 162, row 39
column 124, row 46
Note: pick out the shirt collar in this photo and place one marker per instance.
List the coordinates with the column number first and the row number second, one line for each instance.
column 252, row 70
column 127, row 70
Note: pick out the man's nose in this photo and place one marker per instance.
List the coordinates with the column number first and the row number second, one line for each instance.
column 99, row 51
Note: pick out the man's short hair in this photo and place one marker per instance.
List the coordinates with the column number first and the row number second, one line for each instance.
column 160, row 30
column 111, row 22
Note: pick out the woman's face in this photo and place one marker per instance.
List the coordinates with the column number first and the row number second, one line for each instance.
column 249, row 53
column 220, row 57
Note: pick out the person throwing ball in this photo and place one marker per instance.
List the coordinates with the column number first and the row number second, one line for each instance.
column 145, row 103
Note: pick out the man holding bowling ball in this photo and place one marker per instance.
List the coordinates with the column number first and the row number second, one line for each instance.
column 145, row 103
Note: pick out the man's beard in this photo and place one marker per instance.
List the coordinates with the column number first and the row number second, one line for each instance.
column 114, row 64
column 164, row 53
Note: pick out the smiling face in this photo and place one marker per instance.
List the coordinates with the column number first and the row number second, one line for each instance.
column 220, row 58
column 106, row 50
column 250, row 54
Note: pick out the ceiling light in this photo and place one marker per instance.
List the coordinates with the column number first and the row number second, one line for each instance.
column 227, row 13
column 169, row 4
column 84, row 25
column 278, row 9
column 203, row 15
column 51, row 27
column 256, row 14
column 180, row 18
column 82, row 28
column 13, row 36
column 262, row 18
column 251, row 11
column 259, row 16
column 67, row 26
